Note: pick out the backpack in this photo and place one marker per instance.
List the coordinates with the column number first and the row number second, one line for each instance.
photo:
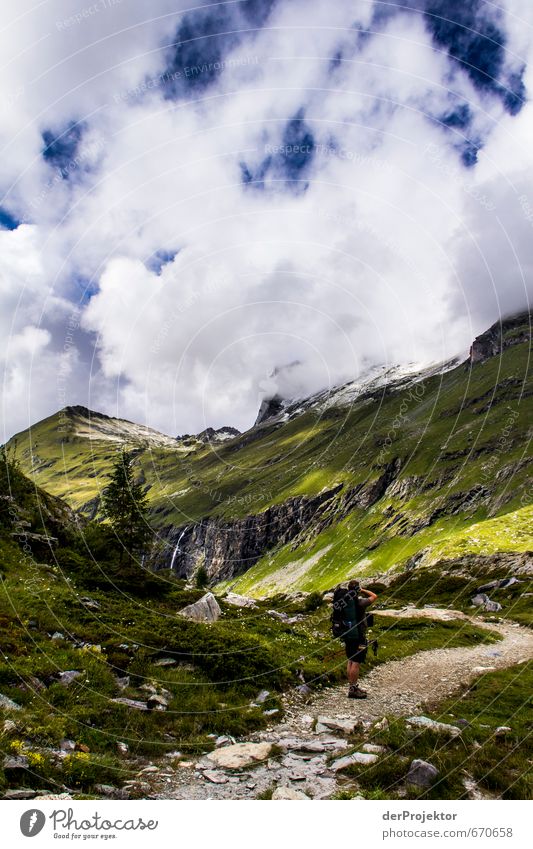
column 339, row 626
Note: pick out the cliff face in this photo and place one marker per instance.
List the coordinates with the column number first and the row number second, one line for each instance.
column 502, row 334
column 227, row 549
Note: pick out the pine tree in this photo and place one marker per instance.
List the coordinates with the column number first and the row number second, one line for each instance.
column 124, row 504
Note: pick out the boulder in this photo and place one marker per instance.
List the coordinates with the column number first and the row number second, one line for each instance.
column 8, row 704
column 363, row 758
column 206, row 609
column 421, row 774
column 344, row 726
column 439, row 727
column 239, row 600
column 240, row 755
column 288, row 793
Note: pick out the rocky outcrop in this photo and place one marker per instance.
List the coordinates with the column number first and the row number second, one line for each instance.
column 227, row 549
column 502, row 334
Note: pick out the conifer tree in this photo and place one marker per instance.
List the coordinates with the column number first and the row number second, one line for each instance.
column 124, row 504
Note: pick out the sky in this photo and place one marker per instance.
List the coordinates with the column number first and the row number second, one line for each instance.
column 202, row 205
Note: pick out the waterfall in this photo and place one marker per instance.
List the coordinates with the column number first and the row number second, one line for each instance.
column 177, row 548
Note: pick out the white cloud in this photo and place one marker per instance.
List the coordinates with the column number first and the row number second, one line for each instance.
column 382, row 259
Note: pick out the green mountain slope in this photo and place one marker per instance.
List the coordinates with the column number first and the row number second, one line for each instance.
column 402, row 470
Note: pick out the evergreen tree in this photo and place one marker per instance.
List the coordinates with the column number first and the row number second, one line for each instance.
column 124, row 504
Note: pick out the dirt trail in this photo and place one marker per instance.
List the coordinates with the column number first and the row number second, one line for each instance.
column 396, row 688
column 400, row 687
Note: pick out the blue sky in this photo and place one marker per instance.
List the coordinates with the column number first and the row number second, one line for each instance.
column 197, row 196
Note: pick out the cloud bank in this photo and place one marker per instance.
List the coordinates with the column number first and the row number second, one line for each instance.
column 197, row 197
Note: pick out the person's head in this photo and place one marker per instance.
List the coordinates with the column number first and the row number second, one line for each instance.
column 354, row 586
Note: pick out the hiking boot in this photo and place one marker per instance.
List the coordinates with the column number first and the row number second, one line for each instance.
column 356, row 692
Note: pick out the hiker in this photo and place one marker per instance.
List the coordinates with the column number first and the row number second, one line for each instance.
column 349, row 623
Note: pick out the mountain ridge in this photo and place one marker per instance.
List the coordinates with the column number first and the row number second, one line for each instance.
column 412, row 459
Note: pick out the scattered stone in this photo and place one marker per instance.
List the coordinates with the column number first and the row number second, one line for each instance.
column 304, row 690
column 262, row 697
column 502, row 730
column 173, row 755
column 131, row 703
column 215, row 777
column 15, row 768
column 433, row 725
column 382, row 725
column 22, row 793
column 240, row 755
column 90, row 603
column 224, row 740
column 67, row 745
column 123, row 683
column 57, row 635
column 66, row 678
column 480, row 670
column 482, row 600
column 82, row 747
column 271, row 712
column 54, row 796
column 364, row 758
column 344, row 726
column 287, row 793
column 9, row 726
column 166, row 661
column 462, row 723
column 8, row 704
column 185, row 764
column 122, row 748
column 373, row 748
column 157, row 703
column 148, row 770
column 239, row 600
column 421, row 774
column 206, row 609
column 111, row 792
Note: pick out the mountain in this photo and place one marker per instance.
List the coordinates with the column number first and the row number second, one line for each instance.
column 404, row 468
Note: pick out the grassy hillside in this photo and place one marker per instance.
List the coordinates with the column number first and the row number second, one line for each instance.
column 459, row 443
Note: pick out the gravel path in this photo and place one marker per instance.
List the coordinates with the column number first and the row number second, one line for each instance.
column 401, row 687
column 398, row 688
